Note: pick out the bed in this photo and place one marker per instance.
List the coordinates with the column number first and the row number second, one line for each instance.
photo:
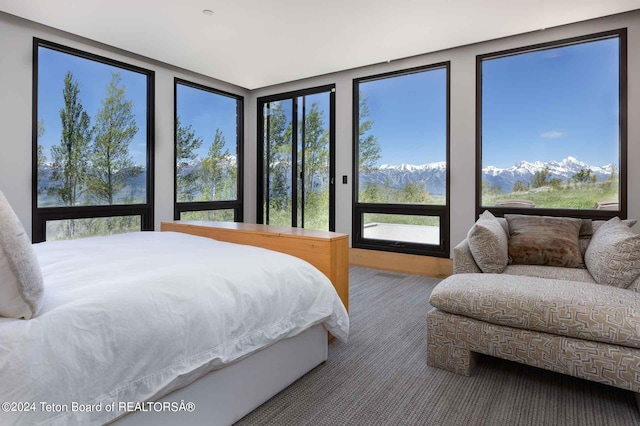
column 167, row 318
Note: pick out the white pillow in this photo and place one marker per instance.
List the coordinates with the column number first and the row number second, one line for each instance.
column 20, row 277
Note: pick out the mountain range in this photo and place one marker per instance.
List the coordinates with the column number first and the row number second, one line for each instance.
column 433, row 175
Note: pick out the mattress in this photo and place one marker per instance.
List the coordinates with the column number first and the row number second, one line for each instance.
column 131, row 317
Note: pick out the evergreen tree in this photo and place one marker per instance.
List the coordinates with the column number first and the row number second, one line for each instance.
column 415, row 193
column 40, row 128
column 372, row 194
column 115, row 128
column 316, row 157
column 212, row 174
column 556, row 183
column 368, row 147
column 41, row 156
column 70, row 159
column 520, row 186
column 279, row 161
column 541, row 178
column 186, row 145
column 584, row 176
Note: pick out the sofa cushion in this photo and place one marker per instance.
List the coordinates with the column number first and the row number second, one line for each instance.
column 566, row 308
column 613, row 257
column 635, row 285
column 505, row 225
column 544, row 240
column 488, row 244
column 585, row 238
column 586, row 228
column 596, row 224
column 551, row 272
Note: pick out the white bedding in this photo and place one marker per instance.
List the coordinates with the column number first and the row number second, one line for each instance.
column 131, row 317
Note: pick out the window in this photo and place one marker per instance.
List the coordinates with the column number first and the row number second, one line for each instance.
column 552, row 128
column 296, row 159
column 401, row 156
column 208, row 153
column 92, row 144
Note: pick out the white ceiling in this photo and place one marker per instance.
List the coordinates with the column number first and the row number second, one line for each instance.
column 257, row 43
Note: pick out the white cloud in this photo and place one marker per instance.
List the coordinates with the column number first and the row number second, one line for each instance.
column 553, row 134
column 553, row 53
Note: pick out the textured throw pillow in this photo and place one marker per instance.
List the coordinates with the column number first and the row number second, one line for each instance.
column 488, row 244
column 20, row 276
column 544, row 240
column 585, row 238
column 613, row 257
column 628, row 222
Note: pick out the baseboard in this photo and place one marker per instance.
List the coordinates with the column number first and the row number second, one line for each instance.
column 405, row 263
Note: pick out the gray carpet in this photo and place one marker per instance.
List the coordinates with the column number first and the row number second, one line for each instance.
column 381, row 377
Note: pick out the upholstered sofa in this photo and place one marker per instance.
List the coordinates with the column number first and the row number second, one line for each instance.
column 556, row 318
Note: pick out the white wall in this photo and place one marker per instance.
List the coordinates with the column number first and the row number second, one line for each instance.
column 16, row 48
column 463, row 86
column 15, row 114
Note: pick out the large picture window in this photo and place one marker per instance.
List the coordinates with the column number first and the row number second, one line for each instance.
column 552, row 128
column 92, row 144
column 208, row 141
column 401, row 152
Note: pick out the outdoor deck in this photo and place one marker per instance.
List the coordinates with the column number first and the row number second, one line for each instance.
column 408, row 233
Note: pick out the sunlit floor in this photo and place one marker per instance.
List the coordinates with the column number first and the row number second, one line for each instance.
column 407, row 233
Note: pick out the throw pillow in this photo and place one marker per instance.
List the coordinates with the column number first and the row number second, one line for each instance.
column 544, row 240
column 628, row 222
column 20, row 277
column 613, row 257
column 488, row 244
column 586, row 229
column 585, row 235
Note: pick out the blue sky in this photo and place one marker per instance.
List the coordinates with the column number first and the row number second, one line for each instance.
column 93, row 79
column 409, row 116
column 552, row 104
column 205, row 112
column 546, row 105
column 542, row 106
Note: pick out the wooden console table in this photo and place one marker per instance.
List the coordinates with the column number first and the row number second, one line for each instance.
column 327, row 251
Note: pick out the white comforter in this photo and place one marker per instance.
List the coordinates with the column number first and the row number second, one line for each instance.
column 126, row 317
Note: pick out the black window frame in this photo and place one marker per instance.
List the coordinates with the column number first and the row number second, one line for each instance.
column 440, row 211
column 195, row 206
column 260, row 179
column 621, row 34
column 41, row 215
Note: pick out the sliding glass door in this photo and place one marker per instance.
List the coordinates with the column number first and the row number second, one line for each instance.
column 296, row 182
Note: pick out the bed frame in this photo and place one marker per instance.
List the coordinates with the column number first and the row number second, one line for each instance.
column 224, row 396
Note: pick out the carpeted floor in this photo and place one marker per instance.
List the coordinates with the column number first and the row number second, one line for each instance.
column 381, row 377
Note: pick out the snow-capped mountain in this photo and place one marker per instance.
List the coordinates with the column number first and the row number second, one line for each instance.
column 227, row 162
column 524, row 171
column 433, row 175
column 135, row 188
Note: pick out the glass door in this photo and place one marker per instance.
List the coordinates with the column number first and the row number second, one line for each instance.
column 295, row 169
